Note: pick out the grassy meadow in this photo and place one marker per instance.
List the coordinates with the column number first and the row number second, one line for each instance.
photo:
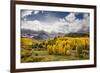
column 60, row 48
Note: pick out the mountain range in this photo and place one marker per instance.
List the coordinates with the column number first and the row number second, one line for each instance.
column 42, row 35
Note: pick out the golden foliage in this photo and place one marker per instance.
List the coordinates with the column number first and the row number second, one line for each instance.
column 65, row 45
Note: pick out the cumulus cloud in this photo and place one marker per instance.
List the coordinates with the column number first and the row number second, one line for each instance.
column 85, row 23
column 36, row 12
column 62, row 20
column 77, row 25
column 38, row 26
column 32, row 25
column 26, row 12
column 71, row 17
column 61, row 25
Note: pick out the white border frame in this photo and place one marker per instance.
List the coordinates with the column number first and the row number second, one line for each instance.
column 53, row 64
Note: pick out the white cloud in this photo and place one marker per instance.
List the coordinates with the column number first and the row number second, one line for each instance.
column 85, row 15
column 71, row 17
column 38, row 26
column 85, row 22
column 36, row 12
column 32, row 25
column 26, row 12
column 75, row 25
column 62, row 20
column 70, row 24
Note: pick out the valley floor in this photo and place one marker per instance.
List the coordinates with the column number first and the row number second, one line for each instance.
column 43, row 56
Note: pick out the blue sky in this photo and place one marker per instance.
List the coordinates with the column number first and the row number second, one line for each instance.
column 55, row 21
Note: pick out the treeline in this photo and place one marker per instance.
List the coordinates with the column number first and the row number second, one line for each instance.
column 69, row 46
column 77, row 35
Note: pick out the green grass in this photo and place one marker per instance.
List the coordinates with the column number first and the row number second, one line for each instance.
column 40, row 53
column 43, row 56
